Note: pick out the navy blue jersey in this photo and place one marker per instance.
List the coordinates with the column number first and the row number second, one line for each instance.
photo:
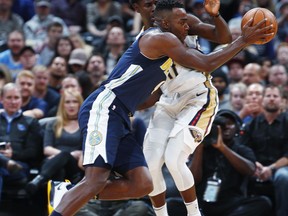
column 135, row 76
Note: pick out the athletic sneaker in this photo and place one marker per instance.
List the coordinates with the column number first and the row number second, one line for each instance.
column 55, row 192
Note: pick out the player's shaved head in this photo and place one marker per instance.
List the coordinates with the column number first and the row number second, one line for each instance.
column 164, row 7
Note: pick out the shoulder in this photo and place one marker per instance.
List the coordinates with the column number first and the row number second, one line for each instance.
column 243, row 150
column 29, row 120
column 155, row 35
column 52, row 93
column 5, row 54
column 35, row 100
column 16, row 18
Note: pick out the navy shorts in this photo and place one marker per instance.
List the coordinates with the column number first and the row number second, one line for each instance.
column 107, row 138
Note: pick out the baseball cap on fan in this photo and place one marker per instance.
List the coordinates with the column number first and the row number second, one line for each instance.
column 78, row 56
column 43, row 3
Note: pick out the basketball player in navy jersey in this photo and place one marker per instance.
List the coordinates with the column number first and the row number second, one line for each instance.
column 186, row 108
column 104, row 116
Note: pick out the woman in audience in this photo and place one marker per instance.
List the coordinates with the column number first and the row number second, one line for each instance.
column 237, row 96
column 62, row 144
column 64, row 47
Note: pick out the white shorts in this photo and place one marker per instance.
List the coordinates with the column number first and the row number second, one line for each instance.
column 192, row 111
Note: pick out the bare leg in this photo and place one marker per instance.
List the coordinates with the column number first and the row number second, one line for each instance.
column 94, row 181
column 135, row 183
column 189, row 195
column 159, row 200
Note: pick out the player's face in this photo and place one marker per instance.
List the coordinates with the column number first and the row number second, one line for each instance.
column 178, row 23
column 146, row 9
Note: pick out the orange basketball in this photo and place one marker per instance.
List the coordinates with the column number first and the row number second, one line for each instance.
column 258, row 14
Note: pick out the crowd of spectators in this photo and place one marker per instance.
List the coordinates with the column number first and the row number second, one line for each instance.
column 50, row 48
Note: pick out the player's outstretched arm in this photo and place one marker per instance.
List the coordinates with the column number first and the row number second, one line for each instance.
column 167, row 44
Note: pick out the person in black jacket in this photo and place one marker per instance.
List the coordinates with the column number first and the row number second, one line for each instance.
column 221, row 166
column 21, row 132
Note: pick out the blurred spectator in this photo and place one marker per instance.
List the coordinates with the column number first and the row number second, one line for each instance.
column 64, row 47
column 237, row 96
column 98, row 14
column 251, row 74
column 253, row 102
column 71, row 83
column 7, row 166
column 278, row 75
column 221, row 166
column 235, row 70
column 31, row 106
column 9, row 22
column 42, row 91
column 282, row 19
column 47, row 49
column 58, row 71
column 244, row 6
column 197, row 8
column 96, row 68
column 221, row 83
column 24, row 8
column 11, row 57
column 62, row 144
column 5, row 76
column 28, row 58
column 66, row 10
column 268, row 4
column 78, row 42
column 266, row 64
column 35, row 29
column 282, row 54
column 77, row 61
column 128, row 15
column 115, row 47
column 249, row 53
column 23, row 134
column 266, row 134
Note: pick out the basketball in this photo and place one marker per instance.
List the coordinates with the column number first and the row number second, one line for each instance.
column 258, row 14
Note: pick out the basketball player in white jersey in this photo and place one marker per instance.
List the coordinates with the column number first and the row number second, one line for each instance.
column 183, row 114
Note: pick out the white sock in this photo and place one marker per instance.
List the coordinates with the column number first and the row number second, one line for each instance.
column 192, row 208
column 161, row 211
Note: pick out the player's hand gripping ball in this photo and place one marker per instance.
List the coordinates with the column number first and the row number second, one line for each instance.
column 258, row 14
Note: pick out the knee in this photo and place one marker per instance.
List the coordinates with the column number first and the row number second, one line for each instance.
column 146, row 188
column 171, row 163
column 93, row 185
column 143, row 186
column 281, row 177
